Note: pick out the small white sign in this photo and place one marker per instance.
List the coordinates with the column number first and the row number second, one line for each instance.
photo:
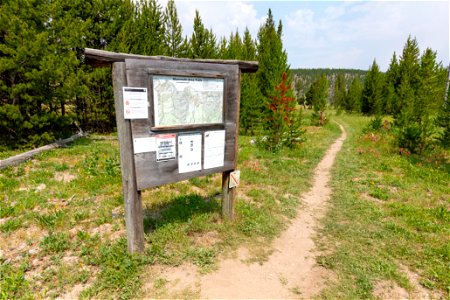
column 142, row 145
column 189, row 152
column 135, row 103
column 235, row 178
column 165, row 146
column 214, row 150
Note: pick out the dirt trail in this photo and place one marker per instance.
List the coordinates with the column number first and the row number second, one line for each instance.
column 291, row 270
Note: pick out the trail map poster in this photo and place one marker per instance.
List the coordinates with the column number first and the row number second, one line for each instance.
column 187, row 100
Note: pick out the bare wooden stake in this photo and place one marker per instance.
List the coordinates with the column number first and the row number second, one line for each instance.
column 227, row 197
column 132, row 197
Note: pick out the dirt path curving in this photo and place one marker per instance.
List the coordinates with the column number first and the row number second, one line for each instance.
column 291, row 271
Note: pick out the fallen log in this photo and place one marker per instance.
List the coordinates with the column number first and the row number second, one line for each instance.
column 17, row 159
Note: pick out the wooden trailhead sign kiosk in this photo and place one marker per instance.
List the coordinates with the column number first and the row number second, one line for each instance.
column 176, row 119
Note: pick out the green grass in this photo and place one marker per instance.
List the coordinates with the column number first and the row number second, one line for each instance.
column 389, row 212
column 62, row 212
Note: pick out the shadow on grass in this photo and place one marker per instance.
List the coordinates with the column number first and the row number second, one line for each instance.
column 180, row 209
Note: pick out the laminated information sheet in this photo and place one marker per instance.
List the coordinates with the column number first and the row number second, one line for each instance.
column 214, row 149
column 189, row 152
column 142, row 145
column 165, row 146
column 135, row 103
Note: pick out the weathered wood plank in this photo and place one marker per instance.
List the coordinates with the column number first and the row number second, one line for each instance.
column 132, row 197
column 100, row 57
column 228, row 196
column 19, row 158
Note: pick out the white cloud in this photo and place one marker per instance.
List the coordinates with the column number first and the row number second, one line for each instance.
column 223, row 17
column 331, row 34
column 352, row 34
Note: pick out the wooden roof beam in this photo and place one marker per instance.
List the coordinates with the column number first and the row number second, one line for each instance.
column 100, row 58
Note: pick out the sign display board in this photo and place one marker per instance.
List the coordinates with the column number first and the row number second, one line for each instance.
column 187, row 100
column 192, row 123
column 177, row 119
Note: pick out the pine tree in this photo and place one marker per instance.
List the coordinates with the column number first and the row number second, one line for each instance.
column 149, row 28
column 340, row 92
column 173, row 39
column 222, row 48
column 284, row 118
column 271, row 56
column 250, row 106
column 443, row 119
column 234, row 49
column 408, row 76
column 35, row 84
column 372, row 94
column 391, row 86
column 317, row 95
column 353, row 99
column 272, row 66
column 203, row 41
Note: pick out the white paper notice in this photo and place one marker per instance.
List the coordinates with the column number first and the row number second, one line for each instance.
column 135, row 103
column 142, row 145
column 214, row 149
column 189, row 152
column 165, row 146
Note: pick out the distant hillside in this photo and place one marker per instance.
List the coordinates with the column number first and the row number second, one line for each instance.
column 303, row 78
column 316, row 72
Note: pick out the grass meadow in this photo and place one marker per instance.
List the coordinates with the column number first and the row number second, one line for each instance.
column 62, row 231
column 389, row 220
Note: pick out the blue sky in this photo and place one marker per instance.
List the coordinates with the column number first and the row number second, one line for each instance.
column 339, row 34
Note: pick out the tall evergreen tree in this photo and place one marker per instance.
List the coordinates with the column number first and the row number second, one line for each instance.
column 203, row 41
column 173, row 40
column 353, row 99
column 391, row 86
column 250, row 106
column 284, row 118
column 443, row 119
column 408, row 76
column 222, row 48
column 234, row 49
column 317, row 95
column 372, row 94
column 340, row 92
column 271, row 56
column 147, row 32
column 33, row 81
column 273, row 75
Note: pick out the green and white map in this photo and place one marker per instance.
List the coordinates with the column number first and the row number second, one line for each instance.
column 187, row 100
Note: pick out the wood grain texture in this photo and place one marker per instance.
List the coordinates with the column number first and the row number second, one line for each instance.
column 228, row 196
column 102, row 58
column 132, row 197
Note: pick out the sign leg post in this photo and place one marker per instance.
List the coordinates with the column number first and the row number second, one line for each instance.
column 227, row 197
column 132, row 197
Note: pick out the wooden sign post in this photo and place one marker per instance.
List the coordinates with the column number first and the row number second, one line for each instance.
column 176, row 119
